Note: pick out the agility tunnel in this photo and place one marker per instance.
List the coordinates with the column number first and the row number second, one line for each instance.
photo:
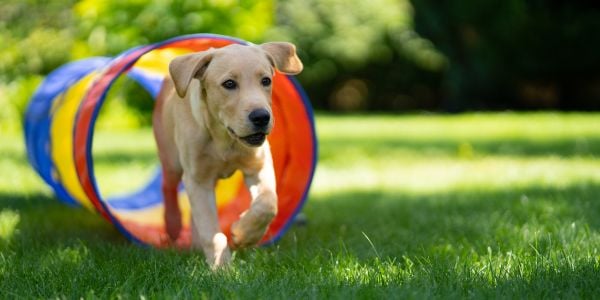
column 59, row 135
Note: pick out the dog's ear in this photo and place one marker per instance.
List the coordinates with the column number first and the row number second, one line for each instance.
column 184, row 68
column 283, row 57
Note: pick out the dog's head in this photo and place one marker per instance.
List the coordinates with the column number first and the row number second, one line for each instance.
column 235, row 85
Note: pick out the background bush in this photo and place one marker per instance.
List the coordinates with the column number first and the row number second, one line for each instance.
column 36, row 36
column 361, row 54
column 516, row 54
column 384, row 55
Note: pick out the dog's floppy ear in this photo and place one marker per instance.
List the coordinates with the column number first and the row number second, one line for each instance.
column 284, row 57
column 186, row 67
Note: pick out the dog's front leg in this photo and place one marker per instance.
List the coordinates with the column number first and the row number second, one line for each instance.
column 254, row 222
column 206, row 233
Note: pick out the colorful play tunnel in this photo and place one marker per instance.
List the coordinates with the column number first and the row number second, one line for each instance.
column 59, row 135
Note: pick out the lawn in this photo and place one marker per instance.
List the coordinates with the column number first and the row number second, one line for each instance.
column 410, row 206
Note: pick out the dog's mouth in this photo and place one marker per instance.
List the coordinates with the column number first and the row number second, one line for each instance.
column 254, row 140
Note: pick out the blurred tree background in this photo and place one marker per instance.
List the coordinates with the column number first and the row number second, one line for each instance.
column 516, row 54
column 380, row 55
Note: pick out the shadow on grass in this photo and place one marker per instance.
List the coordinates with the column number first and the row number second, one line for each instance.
column 403, row 224
column 377, row 146
column 365, row 244
column 45, row 222
column 13, row 156
column 148, row 157
column 520, row 243
column 395, row 223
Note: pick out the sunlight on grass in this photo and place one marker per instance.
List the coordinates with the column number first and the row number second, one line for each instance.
column 9, row 220
column 66, row 255
column 435, row 154
column 437, row 175
column 16, row 175
column 459, row 127
column 124, row 160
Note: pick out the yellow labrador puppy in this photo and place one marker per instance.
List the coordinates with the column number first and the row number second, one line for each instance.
column 211, row 118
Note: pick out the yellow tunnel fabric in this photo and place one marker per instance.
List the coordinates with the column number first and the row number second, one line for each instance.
column 62, row 138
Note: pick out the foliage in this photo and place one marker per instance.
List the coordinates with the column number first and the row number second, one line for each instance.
column 516, row 53
column 397, row 209
column 15, row 96
column 38, row 36
column 109, row 27
column 366, row 51
column 358, row 55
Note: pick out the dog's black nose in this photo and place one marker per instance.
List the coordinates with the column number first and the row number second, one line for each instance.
column 260, row 117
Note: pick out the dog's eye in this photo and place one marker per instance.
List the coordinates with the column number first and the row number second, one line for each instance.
column 266, row 81
column 229, row 84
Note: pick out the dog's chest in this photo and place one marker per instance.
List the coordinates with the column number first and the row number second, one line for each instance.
column 226, row 172
column 224, row 166
column 219, row 163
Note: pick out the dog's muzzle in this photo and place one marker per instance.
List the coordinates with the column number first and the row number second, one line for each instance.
column 254, row 140
column 260, row 118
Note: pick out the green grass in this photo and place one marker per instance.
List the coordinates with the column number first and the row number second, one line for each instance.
column 415, row 206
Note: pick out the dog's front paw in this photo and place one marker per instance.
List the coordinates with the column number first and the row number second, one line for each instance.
column 250, row 228
column 218, row 256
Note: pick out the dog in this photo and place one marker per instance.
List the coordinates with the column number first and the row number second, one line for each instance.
column 211, row 118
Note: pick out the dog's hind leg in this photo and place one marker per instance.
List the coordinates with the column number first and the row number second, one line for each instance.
column 170, row 184
column 171, row 167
